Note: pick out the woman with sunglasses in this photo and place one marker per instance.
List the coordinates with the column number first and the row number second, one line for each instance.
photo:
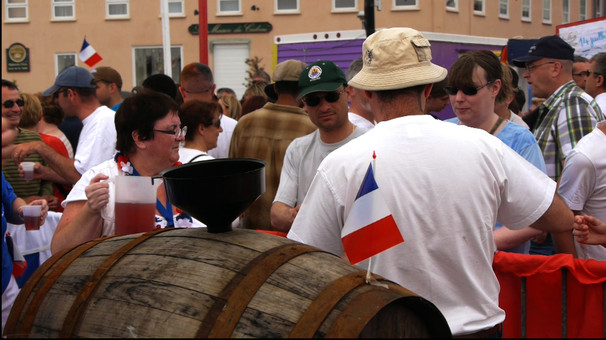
column 148, row 136
column 474, row 83
column 203, row 123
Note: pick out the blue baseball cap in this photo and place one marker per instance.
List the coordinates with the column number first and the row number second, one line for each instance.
column 73, row 76
column 551, row 46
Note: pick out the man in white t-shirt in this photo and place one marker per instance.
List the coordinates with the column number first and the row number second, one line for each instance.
column 444, row 186
column 583, row 184
column 322, row 87
column 74, row 90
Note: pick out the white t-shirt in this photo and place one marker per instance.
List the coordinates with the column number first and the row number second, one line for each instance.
column 228, row 125
column 583, row 185
column 446, row 186
column 302, row 158
column 517, row 119
column 360, row 121
column 97, row 142
column 186, row 155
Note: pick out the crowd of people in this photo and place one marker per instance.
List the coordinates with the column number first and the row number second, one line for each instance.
column 486, row 180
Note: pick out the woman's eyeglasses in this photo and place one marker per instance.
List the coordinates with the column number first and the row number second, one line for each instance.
column 10, row 103
column 177, row 132
column 468, row 91
column 330, row 97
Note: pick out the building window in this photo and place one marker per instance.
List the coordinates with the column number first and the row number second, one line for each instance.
column 150, row 60
column 526, row 5
column 229, row 7
column 565, row 11
column 286, row 6
column 547, row 11
column 16, row 10
column 344, row 5
column 176, row 8
column 405, row 4
column 64, row 9
column 504, row 9
column 583, row 10
column 479, row 7
column 116, row 9
column 598, row 6
column 452, row 5
column 63, row 61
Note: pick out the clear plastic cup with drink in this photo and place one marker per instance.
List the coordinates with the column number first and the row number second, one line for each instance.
column 31, row 216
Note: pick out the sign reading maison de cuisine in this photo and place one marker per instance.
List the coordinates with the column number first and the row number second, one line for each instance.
column 233, row 28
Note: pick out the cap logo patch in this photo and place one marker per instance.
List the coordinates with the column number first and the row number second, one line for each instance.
column 314, row 73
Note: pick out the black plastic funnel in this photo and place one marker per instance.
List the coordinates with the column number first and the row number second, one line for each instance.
column 216, row 191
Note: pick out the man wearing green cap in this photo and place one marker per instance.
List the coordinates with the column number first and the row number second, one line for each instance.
column 322, row 89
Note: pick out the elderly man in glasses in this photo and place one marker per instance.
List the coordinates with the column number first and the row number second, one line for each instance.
column 565, row 116
column 323, row 91
column 12, row 110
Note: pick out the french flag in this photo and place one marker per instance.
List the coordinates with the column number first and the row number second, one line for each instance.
column 88, row 54
column 369, row 228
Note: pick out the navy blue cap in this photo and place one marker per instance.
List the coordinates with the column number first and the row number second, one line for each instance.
column 551, row 46
column 73, row 76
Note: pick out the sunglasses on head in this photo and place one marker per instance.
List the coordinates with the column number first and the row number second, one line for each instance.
column 468, row 91
column 10, row 103
column 330, row 97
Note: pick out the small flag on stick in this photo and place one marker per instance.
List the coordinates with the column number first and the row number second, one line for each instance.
column 88, row 54
column 369, row 228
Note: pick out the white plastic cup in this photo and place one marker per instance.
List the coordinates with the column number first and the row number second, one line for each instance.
column 135, row 205
column 31, row 216
column 28, row 170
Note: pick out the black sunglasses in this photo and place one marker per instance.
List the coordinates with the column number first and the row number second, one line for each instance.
column 216, row 124
column 330, row 97
column 582, row 73
column 10, row 103
column 468, row 91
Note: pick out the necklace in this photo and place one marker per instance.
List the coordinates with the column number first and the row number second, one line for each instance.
column 496, row 126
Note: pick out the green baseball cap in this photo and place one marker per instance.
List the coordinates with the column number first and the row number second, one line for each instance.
column 323, row 75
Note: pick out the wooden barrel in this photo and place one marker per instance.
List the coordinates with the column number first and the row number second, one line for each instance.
column 184, row 283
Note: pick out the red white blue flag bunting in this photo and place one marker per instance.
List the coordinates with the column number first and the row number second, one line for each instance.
column 369, row 228
column 88, row 54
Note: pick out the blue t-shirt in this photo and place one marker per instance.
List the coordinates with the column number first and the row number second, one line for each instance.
column 522, row 141
column 8, row 197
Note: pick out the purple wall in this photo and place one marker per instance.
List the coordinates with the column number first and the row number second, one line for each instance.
column 343, row 52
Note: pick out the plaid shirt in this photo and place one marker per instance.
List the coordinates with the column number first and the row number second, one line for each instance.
column 265, row 134
column 565, row 117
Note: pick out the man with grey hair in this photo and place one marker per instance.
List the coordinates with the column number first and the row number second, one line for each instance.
column 359, row 109
column 410, row 167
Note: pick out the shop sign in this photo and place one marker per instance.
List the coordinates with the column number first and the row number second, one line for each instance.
column 233, row 28
column 17, row 58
